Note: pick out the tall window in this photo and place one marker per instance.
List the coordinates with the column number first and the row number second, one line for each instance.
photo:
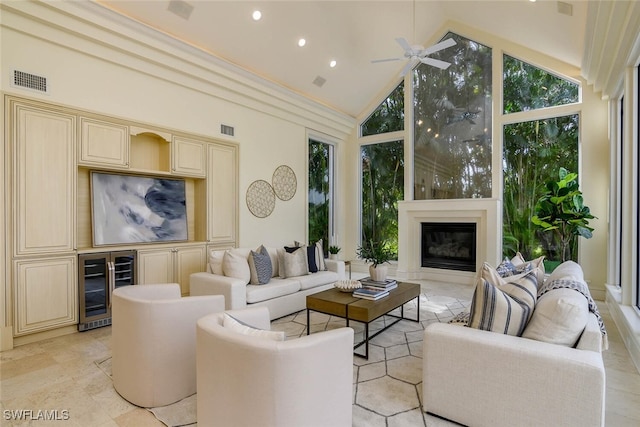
column 533, row 152
column 452, row 111
column 321, row 171
column 637, row 142
column 382, row 188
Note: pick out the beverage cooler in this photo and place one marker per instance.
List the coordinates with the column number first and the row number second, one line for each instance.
column 99, row 274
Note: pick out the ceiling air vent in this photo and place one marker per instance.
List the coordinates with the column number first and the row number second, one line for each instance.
column 29, row 81
column 227, row 130
column 180, row 8
column 319, row 81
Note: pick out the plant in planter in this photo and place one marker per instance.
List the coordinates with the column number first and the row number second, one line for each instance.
column 333, row 251
column 561, row 210
column 377, row 253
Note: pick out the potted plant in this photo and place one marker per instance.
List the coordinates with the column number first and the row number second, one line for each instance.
column 333, row 251
column 377, row 253
column 561, row 210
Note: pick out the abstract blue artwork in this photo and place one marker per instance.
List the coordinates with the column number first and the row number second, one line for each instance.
column 137, row 209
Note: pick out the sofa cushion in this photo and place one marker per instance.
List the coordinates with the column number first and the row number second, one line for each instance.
column 559, row 317
column 235, row 264
column 277, row 287
column 215, row 262
column 507, row 268
column 317, row 279
column 537, row 264
column 273, row 254
column 294, row 261
column 320, row 255
column 311, row 259
column 503, row 308
column 568, row 270
column 235, row 325
column 260, row 266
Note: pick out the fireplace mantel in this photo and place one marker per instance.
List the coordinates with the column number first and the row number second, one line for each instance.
column 485, row 213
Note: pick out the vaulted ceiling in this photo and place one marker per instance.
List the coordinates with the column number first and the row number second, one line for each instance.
column 352, row 33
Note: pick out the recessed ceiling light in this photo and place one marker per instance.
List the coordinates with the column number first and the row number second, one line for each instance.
column 256, row 15
column 302, row 42
column 333, row 63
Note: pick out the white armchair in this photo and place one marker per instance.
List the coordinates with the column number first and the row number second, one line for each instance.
column 154, row 342
column 245, row 380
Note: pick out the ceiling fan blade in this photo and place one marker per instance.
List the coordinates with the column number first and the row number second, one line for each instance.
column 438, row 47
column 403, row 43
column 435, row 63
column 409, row 65
column 373, row 61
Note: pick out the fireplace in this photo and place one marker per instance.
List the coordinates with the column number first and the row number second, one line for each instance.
column 483, row 213
column 449, row 245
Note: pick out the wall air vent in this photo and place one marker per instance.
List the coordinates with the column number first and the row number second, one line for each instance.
column 227, row 130
column 29, row 81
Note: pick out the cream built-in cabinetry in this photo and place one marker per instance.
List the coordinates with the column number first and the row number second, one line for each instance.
column 52, row 150
column 222, row 200
column 43, row 217
column 171, row 265
column 103, row 144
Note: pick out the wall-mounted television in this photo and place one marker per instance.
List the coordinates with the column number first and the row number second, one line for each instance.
column 128, row 209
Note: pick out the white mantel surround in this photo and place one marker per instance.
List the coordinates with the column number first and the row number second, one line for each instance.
column 485, row 213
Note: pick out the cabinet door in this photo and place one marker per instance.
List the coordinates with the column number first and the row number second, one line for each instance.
column 46, row 294
column 222, row 194
column 103, row 143
column 44, row 214
column 188, row 157
column 189, row 260
column 155, row 266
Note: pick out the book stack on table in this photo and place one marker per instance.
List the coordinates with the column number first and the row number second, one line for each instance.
column 374, row 290
column 385, row 285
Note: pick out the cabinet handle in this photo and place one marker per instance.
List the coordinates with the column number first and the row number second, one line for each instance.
column 112, row 279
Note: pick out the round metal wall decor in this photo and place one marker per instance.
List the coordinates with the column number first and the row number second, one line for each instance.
column 261, row 198
column 284, row 182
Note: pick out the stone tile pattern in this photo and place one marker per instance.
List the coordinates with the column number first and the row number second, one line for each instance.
column 65, row 373
column 388, row 386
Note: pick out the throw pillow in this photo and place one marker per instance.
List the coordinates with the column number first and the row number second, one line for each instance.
column 215, row 262
column 316, row 260
column 320, row 256
column 559, row 318
column 508, row 268
column 260, row 266
column 235, row 325
column 311, row 259
column 235, row 265
column 537, row 264
column 295, row 262
column 503, row 308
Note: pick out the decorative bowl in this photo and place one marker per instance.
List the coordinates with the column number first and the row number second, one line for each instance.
column 347, row 285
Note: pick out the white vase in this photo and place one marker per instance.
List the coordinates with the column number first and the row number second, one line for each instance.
column 333, row 256
column 379, row 273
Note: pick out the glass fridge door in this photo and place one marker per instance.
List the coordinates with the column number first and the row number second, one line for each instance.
column 94, row 286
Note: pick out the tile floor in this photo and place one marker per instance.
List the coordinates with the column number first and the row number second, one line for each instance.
column 61, row 374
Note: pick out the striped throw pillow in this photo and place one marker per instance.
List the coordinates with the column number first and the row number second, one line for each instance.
column 504, row 308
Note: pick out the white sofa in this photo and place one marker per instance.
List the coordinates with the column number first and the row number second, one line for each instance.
column 282, row 296
column 483, row 378
column 249, row 380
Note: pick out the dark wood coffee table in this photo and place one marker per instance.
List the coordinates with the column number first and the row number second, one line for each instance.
column 346, row 306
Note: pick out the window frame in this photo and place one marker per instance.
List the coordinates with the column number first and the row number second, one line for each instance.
column 332, row 220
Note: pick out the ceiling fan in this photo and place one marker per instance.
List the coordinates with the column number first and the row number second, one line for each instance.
column 417, row 53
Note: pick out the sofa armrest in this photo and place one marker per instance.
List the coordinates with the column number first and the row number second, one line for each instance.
column 591, row 338
column 336, row 266
column 234, row 290
column 484, row 378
